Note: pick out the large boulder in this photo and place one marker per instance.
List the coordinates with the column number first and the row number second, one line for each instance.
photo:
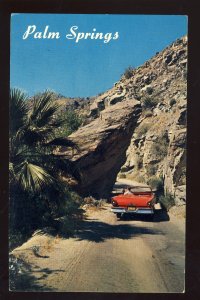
column 102, row 147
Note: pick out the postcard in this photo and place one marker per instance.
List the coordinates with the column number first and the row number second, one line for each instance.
column 97, row 144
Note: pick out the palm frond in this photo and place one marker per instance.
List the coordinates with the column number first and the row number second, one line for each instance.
column 18, row 110
column 33, row 136
column 33, row 177
column 11, row 171
column 44, row 107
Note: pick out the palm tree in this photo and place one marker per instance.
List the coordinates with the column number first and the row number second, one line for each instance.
column 35, row 169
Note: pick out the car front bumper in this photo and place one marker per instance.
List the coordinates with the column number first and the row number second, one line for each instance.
column 146, row 211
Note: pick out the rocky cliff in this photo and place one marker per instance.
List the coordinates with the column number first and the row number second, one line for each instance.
column 158, row 145
column 138, row 126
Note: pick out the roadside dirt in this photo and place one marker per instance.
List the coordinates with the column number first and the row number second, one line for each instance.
column 108, row 255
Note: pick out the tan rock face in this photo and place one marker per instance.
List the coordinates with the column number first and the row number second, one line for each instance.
column 102, row 147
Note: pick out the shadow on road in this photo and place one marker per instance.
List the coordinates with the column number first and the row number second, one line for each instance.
column 159, row 216
column 100, row 231
column 21, row 278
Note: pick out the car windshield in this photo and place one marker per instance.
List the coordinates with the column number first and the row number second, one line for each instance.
column 140, row 189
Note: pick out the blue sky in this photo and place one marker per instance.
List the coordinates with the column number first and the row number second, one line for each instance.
column 90, row 66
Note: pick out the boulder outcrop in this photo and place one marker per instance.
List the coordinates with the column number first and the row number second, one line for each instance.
column 102, row 147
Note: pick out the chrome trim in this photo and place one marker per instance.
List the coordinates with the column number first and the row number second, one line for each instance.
column 137, row 211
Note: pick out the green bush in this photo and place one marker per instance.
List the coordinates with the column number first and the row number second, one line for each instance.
column 172, row 102
column 167, row 201
column 71, row 122
column 149, row 102
column 128, row 72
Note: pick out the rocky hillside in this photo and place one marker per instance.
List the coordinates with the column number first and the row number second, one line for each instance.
column 139, row 125
column 158, row 145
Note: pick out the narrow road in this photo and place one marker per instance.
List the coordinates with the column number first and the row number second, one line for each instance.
column 110, row 255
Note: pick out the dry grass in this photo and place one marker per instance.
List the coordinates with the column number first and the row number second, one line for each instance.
column 92, row 204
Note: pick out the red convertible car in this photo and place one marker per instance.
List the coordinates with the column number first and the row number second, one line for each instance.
column 137, row 200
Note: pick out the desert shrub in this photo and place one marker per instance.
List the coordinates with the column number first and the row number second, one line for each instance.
column 102, row 202
column 160, row 147
column 172, row 102
column 123, row 169
column 71, row 122
column 92, row 202
column 69, row 207
column 137, row 97
column 149, row 90
column 88, row 200
column 151, row 170
column 128, row 73
column 142, row 129
column 148, row 113
column 122, row 175
column 149, row 102
column 69, row 214
column 167, row 201
column 156, row 183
